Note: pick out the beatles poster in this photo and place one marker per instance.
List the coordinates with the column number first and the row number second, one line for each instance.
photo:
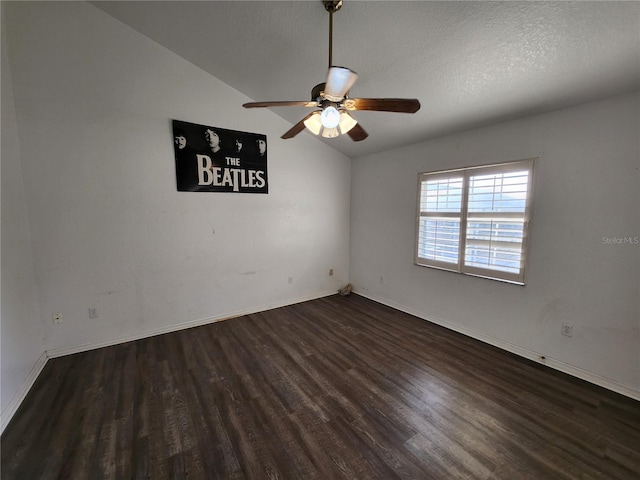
column 212, row 159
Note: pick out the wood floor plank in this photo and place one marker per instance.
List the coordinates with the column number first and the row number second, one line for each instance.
column 334, row 388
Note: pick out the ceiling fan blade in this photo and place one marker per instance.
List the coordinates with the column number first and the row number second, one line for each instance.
column 339, row 82
column 357, row 133
column 302, row 103
column 296, row 129
column 401, row 105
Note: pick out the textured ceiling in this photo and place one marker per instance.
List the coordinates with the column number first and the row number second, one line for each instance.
column 469, row 63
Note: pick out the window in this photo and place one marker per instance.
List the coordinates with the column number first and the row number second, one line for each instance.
column 475, row 220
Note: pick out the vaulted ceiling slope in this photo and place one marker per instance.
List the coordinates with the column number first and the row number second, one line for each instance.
column 469, row 63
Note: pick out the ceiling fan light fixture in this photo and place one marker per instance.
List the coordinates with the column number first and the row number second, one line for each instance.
column 347, row 122
column 313, row 123
column 330, row 117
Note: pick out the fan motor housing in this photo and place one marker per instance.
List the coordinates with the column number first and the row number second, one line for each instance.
column 316, row 91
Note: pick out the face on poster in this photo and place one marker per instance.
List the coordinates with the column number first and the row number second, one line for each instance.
column 214, row 159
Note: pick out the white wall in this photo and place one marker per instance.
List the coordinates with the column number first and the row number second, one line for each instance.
column 94, row 102
column 586, row 187
column 21, row 344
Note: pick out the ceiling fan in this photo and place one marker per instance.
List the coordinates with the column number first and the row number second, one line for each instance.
column 332, row 98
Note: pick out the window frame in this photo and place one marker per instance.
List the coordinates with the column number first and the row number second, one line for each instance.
column 464, row 217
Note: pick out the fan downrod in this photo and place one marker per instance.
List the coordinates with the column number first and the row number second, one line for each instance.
column 332, row 6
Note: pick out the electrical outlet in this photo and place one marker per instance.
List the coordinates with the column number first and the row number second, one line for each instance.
column 93, row 312
column 567, row 329
column 57, row 318
column 331, row 272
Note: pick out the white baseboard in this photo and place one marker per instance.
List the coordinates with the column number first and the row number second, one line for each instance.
column 559, row 365
column 10, row 409
column 61, row 352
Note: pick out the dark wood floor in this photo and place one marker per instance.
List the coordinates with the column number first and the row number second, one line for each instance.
column 335, row 388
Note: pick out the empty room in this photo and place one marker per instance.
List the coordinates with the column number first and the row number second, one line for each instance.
column 320, row 240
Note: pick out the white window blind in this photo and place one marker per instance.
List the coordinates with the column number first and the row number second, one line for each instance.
column 439, row 227
column 475, row 220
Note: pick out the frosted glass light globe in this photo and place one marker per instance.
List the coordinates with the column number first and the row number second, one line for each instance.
column 330, row 117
